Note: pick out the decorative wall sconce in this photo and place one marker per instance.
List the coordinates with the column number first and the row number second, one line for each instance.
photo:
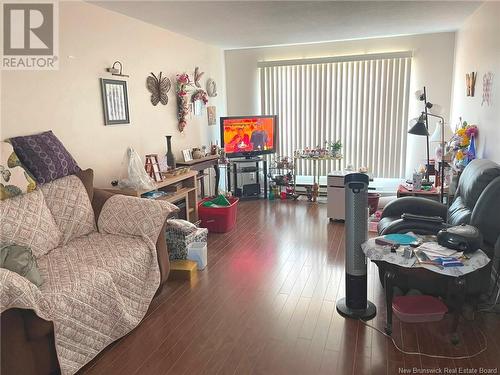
column 211, row 88
column 115, row 71
column 197, row 77
column 470, row 82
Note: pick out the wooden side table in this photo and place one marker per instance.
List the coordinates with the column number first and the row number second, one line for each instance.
column 456, row 284
column 454, row 288
column 430, row 194
column 200, row 165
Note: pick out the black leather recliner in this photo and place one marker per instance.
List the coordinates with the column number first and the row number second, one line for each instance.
column 477, row 203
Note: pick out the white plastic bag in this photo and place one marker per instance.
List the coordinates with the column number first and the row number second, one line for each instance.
column 135, row 177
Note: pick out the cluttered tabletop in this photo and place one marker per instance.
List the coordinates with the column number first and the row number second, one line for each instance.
column 411, row 250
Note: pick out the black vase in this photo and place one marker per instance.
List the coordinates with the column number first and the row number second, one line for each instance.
column 170, row 155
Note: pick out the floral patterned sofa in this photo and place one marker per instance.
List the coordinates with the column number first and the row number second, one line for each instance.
column 102, row 258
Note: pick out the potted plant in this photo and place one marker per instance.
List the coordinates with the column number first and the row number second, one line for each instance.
column 335, row 148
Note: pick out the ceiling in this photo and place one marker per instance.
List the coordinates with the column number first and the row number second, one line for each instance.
column 240, row 24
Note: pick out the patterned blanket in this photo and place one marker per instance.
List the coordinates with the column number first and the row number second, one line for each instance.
column 97, row 287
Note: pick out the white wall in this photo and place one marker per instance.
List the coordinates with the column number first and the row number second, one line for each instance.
column 68, row 101
column 432, row 66
column 478, row 50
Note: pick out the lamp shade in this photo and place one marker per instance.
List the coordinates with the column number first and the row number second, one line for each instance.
column 419, row 127
column 436, row 136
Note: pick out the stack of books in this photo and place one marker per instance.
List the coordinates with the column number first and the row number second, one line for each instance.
column 155, row 194
column 433, row 253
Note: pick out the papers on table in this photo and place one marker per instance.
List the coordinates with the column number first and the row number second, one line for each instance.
column 433, row 253
column 434, row 250
column 375, row 252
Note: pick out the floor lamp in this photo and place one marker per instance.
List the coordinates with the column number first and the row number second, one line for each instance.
column 422, row 96
column 421, row 127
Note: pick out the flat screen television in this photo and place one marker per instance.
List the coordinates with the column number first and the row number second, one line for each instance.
column 247, row 136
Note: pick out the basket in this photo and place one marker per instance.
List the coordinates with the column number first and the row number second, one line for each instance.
column 178, row 241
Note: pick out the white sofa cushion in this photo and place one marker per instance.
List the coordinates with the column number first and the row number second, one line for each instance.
column 26, row 220
column 70, row 206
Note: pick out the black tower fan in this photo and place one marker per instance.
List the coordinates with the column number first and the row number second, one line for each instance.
column 355, row 304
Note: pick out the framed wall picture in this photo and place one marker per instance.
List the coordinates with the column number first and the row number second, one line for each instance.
column 211, row 114
column 114, row 101
column 198, row 107
column 187, row 155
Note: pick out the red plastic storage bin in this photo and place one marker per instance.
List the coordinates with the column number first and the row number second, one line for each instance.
column 218, row 219
column 418, row 309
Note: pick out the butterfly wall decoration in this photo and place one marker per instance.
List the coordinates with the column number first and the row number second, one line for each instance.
column 159, row 88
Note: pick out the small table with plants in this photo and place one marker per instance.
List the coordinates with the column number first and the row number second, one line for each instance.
column 430, row 193
column 315, row 160
column 330, row 152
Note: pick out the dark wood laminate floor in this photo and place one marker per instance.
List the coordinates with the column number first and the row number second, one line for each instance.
column 266, row 305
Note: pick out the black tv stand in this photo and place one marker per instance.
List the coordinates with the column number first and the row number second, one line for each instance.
column 235, row 169
column 247, row 158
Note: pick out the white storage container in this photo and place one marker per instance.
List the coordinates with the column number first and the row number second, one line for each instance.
column 197, row 251
column 336, row 195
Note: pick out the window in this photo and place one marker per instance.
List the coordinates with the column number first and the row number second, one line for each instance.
column 361, row 100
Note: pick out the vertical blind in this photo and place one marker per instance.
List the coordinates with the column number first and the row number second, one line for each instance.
column 360, row 100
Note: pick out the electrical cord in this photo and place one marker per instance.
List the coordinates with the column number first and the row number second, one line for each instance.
column 426, row 354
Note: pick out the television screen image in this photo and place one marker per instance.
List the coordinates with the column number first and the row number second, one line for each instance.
column 250, row 135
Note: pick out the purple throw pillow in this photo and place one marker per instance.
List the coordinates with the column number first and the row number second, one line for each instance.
column 44, row 156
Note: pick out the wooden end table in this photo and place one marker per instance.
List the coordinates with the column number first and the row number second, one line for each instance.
column 433, row 193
